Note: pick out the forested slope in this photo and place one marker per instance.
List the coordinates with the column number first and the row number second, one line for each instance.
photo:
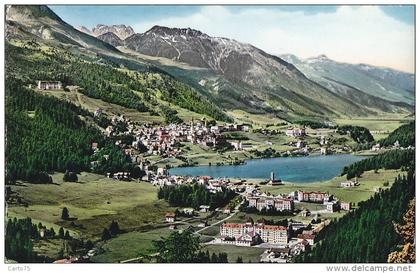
column 367, row 234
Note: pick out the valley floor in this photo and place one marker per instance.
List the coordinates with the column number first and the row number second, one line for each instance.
column 95, row 201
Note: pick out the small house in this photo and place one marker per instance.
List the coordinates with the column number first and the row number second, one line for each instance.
column 170, row 217
column 345, row 206
column 226, row 211
column 188, row 211
column 204, row 208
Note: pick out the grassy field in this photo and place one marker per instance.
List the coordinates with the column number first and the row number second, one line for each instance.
column 247, row 253
column 110, row 109
column 49, row 247
column 130, row 245
column 95, row 201
column 368, row 182
column 386, row 123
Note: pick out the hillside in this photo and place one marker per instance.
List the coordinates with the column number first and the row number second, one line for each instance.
column 111, row 38
column 360, row 229
column 264, row 80
column 221, row 72
column 100, row 72
column 380, row 83
column 28, row 21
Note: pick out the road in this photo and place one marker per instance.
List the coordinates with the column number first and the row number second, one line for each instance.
column 235, row 211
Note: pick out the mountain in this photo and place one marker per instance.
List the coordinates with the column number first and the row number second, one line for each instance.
column 40, row 46
column 121, row 31
column 379, row 82
column 228, row 74
column 263, row 80
column 111, row 38
column 45, row 24
column 396, row 78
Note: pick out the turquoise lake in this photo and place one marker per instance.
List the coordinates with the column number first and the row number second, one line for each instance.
column 292, row 169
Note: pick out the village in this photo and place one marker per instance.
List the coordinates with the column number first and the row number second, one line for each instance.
column 282, row 242
column 295, row 227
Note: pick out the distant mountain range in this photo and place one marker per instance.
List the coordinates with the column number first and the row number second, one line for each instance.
column 235, row 75
column 381, row 82
column 121, row 31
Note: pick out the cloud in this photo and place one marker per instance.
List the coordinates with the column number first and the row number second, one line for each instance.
column 355, row 34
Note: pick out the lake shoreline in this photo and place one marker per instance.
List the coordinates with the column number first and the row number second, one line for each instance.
column 304, row 169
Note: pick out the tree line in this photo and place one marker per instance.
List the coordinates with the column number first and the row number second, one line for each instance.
column 357, row 133
column 46, row 134
column 108, row 82
column 52, row 138
column 312, row 124
column 367, row 234
column 20, row 236
column 394, row 159
column 194, row 196
column 405, row 135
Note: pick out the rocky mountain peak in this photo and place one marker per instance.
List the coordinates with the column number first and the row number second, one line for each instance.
column 163, row 31
column 122, row 31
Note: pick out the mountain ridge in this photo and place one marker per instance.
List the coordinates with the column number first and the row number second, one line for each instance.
column 121, row 31
column 236, row 75
column 381, row 82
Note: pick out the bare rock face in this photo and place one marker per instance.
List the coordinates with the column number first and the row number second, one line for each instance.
column 266, row 77
column 236, row 61
column 122, row 31
column 111, row 39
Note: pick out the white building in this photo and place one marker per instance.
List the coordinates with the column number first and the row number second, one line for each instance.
column 295, row 132
column 49, row 85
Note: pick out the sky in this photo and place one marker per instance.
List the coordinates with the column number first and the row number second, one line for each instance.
column 377, row 35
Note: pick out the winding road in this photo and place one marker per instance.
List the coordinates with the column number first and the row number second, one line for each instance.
column 235, row 211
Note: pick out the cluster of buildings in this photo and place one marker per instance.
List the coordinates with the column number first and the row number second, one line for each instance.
column 312, row 196
column 160, row 179
column 377, row 147
column 332, row 204
column 282, row 242
column 164, row 140
column 240, row 146
column 271, row 202
column 249, row 234
column 284, row 254
column 295, row 132
column 350, row 184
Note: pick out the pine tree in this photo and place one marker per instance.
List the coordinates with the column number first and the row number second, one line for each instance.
column 106, row 235
column 407, row 254
column 114, row 228
column 52, row 232
column 65, row 214
column 214, row 258
column 61, row 233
